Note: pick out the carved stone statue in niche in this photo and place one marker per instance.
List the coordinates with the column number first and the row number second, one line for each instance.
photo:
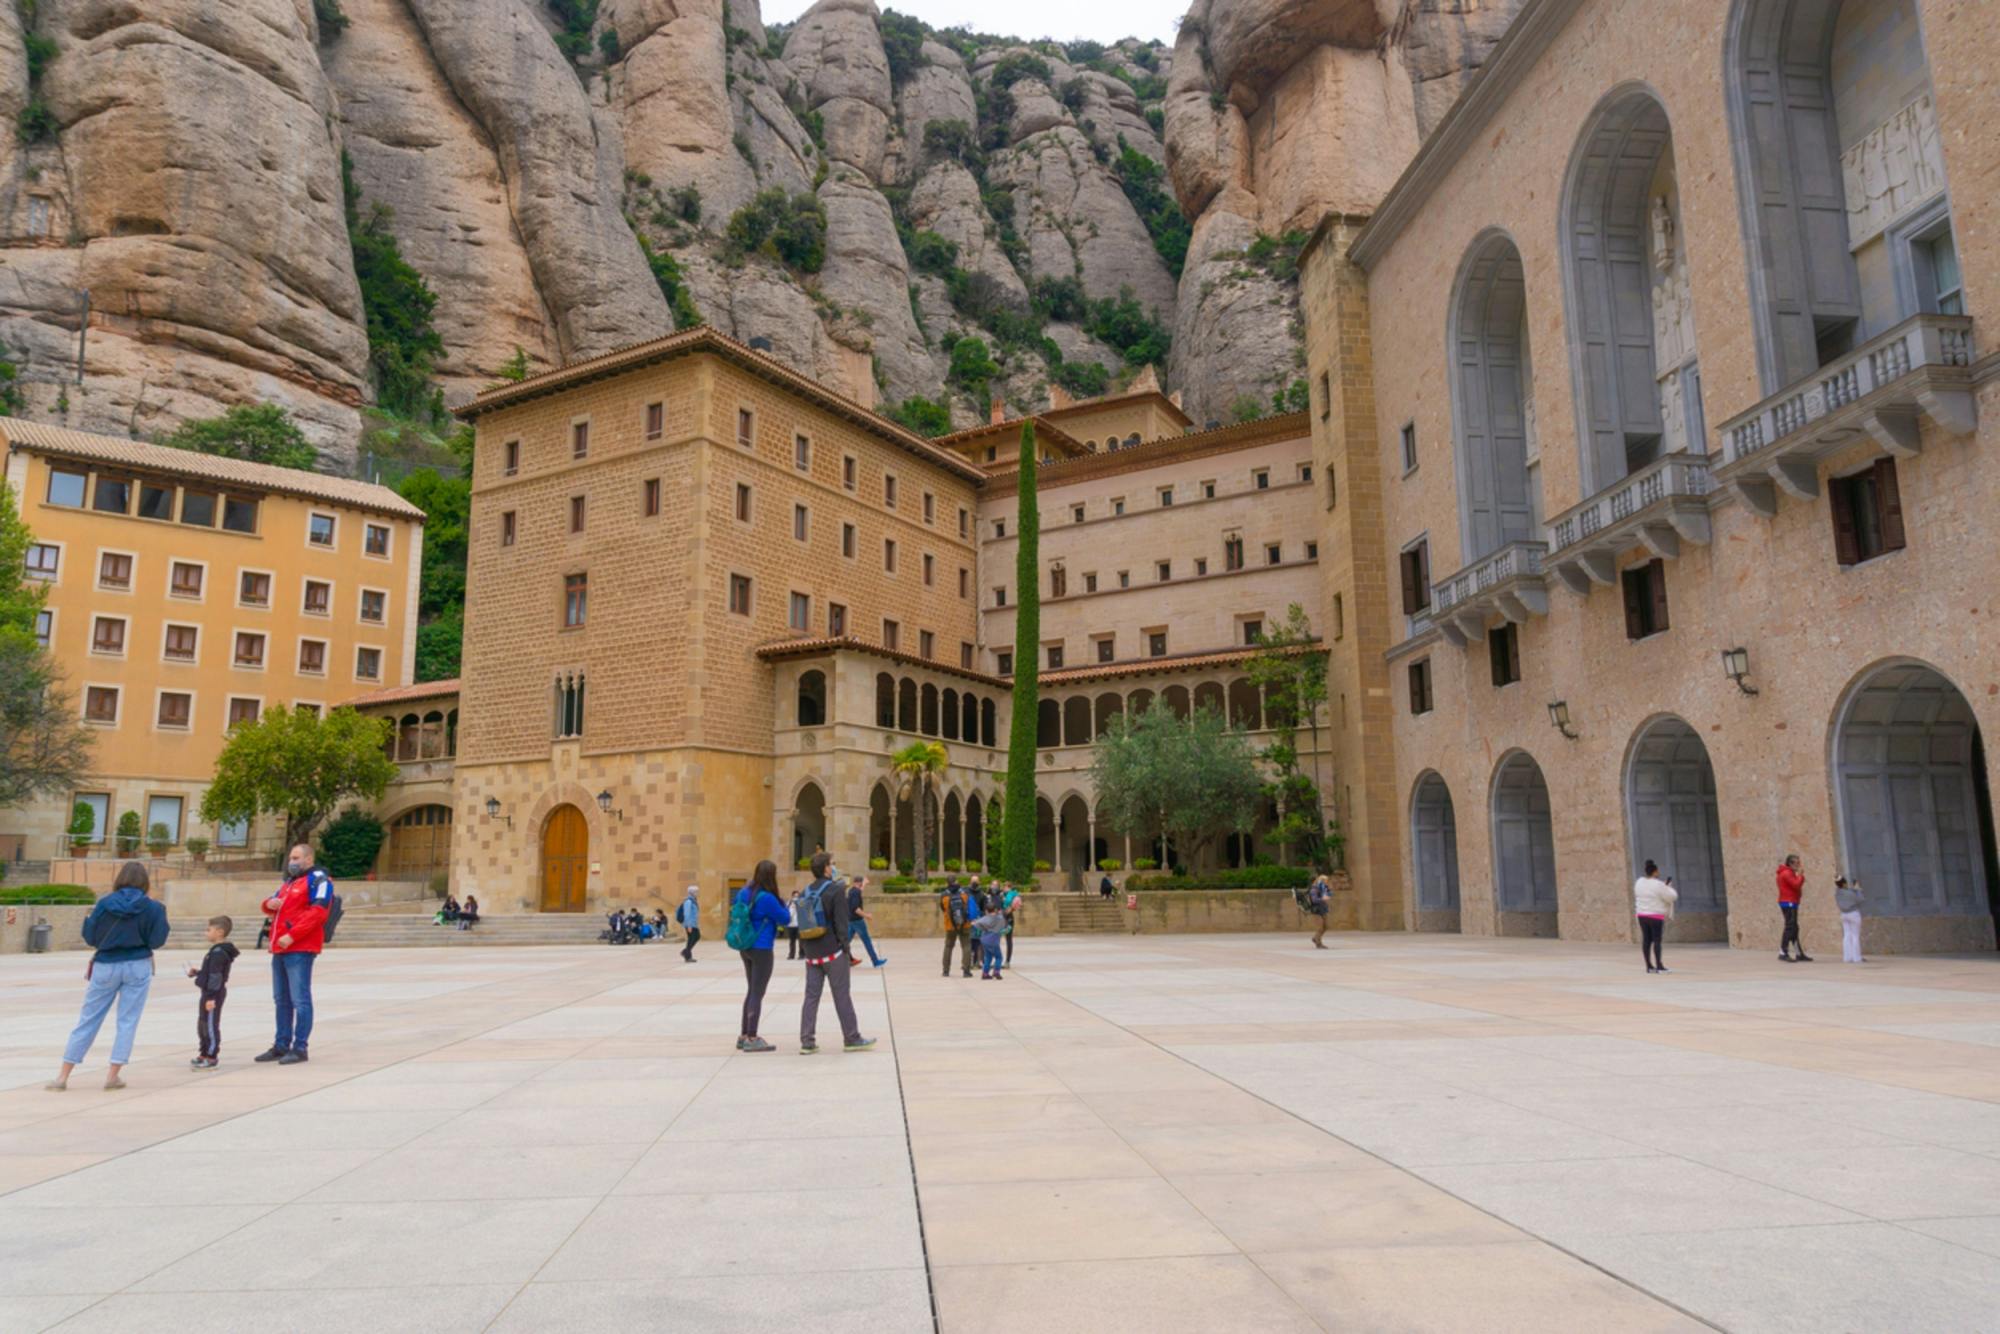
column 1663, row 234
column 1897, row 166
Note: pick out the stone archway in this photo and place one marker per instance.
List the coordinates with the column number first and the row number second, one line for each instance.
column 1524, row 857
column 1672, row 819
column 1434, row 855
column 1491, row 398
column 808, row 822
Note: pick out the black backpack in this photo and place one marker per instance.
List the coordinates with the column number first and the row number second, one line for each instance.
column 334, row 909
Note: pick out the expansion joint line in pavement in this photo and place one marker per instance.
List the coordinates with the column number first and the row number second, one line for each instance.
column 1615, row 1277
column 910, row 1149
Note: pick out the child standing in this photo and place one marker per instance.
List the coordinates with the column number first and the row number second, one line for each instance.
column 213, row 979
column 987, row 930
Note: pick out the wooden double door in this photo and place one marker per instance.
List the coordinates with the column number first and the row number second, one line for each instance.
column 565, row 860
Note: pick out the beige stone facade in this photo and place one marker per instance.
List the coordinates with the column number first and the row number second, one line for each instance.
column 1647, row 388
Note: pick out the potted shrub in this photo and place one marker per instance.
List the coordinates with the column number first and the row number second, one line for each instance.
column 1144, row 864
column 953, row 864
column 878, row 863
column 198, row 849
column 803, row 864
column 158, row 839
column 129, row 833
column 906, row 866
column 1110, row 864
column 1041, row 866
column 82, row 828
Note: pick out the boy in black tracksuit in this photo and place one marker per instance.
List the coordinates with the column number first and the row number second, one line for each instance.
column 213, row 979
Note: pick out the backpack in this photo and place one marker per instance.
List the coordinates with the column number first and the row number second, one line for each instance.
column 812, row 910
column 955, row 905
column 742, row 932
column 334, row 909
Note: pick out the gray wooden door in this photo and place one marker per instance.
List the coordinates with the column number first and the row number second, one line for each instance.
column 1524, row 856
column 1909, row 818
column 1434, row 832
column 1492, row 402
column 1674, row 816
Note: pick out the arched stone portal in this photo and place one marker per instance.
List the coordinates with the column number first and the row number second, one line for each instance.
column 1491, row 394
column 1524, row 856
column 1673, row 820
column 808, row 822
column 1434, row 855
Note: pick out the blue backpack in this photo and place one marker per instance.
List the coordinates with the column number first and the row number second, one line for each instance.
column 812, row 910
column 742, row 932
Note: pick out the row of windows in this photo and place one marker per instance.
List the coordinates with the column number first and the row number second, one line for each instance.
column 182, row 644
column 902, row 705
column 1080, row 719
column 434, row 736
column 1104, row 647
column 162, row 810
column 1163, row 571
column 187, row 580
column 165, row 501
column 173, row 710
column 1079, row 511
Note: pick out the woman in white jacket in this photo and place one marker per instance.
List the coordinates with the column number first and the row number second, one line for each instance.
column 1653, row 900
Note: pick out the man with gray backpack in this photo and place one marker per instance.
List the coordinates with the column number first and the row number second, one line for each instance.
column 824, row 926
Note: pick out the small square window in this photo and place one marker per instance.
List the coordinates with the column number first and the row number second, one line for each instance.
column 1312, row 551
column 576, row 514
column 320, row 530
column 891, row 633
column 374, row 606
column 1420, row 686
column 836, row 619
column 368, row 664
column 802, row 453
column 1055, row 657
column 1164, row 570
column 1000, row 595
column 1274, row 553
column 113, row 495
column 1166, row 497
column 184, row 580
column 198, row 508
column 1305, row 472
column 656, row 420
column 1253, row 632
column 1208, row 490
column 1124, row 578
column 249, row 649
column 507, row 528
column 375, row 539
column 100, row 704
column 312, row 657
column 579, row 440
column 67, row 488
column 239, row 514
column 242, row 710
column 1107, row 649
column 1156, row 643
column 176, row 710
column 649, row 499
column 1261, row 479
column 999, row 528
column 801, row 523
column 1076, row 514
column 1003, row 664
column 576, row 600
column 799, row 614
column 926, row 644
column 1200, row 565
column 1090, row 582
column 510, row 458
column 1118, row 505
column 156, row 501
column 181, row 642
column 114, row 570
column 107, row 635
column 253, row 589
column 318, row 598
column 739, row 594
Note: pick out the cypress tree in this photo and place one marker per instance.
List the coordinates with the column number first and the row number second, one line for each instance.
column 1017, row 829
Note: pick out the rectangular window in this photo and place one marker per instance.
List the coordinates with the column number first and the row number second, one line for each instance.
column 1261, row 479
column 850, row 472
column 1156, row 643
column 253, row 589
column 1118, row 505
column 576, row 514
column 1000, row 595
column 67, row 488
column 176, row 710
column 374, row 606
column 100, row 704
column 249, row 649
column 1325, row 396
column 1339, row 616
column 889, row 490
column 511, row 458
column 198, row 508
column 656, row 420
column 1166, row 497
column 1274, row 553
column 848, row 540
column 243, row 710
column 43, row 559
column 649, row 499
column 114, row 570
column 1410, row 454
column 234, row 834
column 320, row 530
column 1058, row 581
column 507, row 528
column 1107, row 649
column 1055, row 657
column 1867, row 509
column 964, row 582
column 1947, row 286
column 739, row 594
column 1090, row 582
column 1305, row 472
column 1503, row 649
column 312, row 657
column 930, row 508
column 891, row 632
column 1420, row 686
column 836, row 619
column 1312, row 551
column 1416, row 567
column 742, row 502
column 801, row 522
column 1076, row 514
column 579, row 440
column 112, row 496
column 889, row 555
column 800, row 613
column 1164, row 570
column 1208, row 490
column 107, row 635
column 1003, row 664
column 802, row 453
column 239, row 514
column 185, row 580
column 368, row 664
column 164, row 811
column 1646, row 599
column 964, row 521
column 45, row 627
column 999, row 528
column 1124, row 578
column 746, row 427
column 965, row 656
column 182, row 643
column 375, row 539
column 156, row 501
column 926, row 644
column 576, row 600
column 1232, row 552
column 318, row 597
column 1253, row 632
column 930, row 570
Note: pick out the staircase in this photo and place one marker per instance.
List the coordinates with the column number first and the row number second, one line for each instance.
column 388, row 930
column 1077, row 913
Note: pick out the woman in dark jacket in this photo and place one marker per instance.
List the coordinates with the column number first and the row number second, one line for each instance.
column 126, row 927
column 768, row 916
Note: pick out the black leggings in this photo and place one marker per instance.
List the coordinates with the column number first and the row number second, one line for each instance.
column 1651, row 931
column 756, row 976
column 1790, row 940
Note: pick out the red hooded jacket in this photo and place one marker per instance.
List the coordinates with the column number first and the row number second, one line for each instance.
column 299, row 910
column 1790, row 882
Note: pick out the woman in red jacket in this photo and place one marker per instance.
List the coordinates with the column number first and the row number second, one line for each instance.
column 1791, row 882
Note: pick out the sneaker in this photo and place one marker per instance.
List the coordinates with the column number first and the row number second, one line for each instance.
column 293, row 1057
column 197, row 1063
column 1651, row 969
column 880, row 962
column 275, row 1054
column 1664, row 969
column 808, row 1049
column 862, row 1045
column 1784, row 958
column 742, row 1043
column 1804, row 957
column 757, row 1044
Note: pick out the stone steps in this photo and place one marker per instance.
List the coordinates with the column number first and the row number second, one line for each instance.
column 382, row 930
column 1089, row 914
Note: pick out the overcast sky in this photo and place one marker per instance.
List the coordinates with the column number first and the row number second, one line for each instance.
column 1064, row 20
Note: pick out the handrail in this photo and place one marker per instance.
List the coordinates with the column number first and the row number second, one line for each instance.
column 1670, row 475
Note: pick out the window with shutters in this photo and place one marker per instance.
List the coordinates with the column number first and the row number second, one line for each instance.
column 926, row 644
column 1503, row 646
column 1232, row 553
column 1646, row 599
column 114, row 570
column 649, row 501
column 739, row 594
column 656, row 420
column 576, row 514
column 579, row 440
column 1867, row 509
column 1058, row 581
column 1420, row 686
column 1416, row 566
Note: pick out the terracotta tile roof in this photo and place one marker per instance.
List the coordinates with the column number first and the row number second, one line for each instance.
column 1182, row 662
column 403, row 694
column 1116, row 400
column 701, row 338
column 1046, row 433
column 41, row 438
column 784, row 649
column 1167, row 449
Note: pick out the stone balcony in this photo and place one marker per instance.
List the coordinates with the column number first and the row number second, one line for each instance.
column 1509, row 582
column 1920, row 368
column 1657, row 507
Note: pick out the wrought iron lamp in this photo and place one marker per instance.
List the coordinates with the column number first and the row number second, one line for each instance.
column 493, row 812
column 1559, row 718
column 1736, row 665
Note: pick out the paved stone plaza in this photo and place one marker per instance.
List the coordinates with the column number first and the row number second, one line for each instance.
column 1190, row 1133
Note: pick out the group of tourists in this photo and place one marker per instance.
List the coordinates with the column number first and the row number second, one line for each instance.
column 968, row 915
column 629, row 926
column 1654, row 899
column 821, row 921
column 463, row 916
column 128, row 925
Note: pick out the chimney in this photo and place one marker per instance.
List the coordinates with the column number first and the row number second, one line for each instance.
column 1175, row 399
column 1147, row 382
column 996, row 412
column 1058, row 397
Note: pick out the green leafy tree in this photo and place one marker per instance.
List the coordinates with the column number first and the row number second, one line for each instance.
column 789, row 228
column 1017, row 852
column 447, row 506
column 972, row 369
column 921, row 415
column 903, row 43
column 1192, row 780
column 44, row 747
column 1126, row 325
column 515, row 368
column 298, row 764
column 129, row 833
column 673, row 285
column 1144, row 182
column 82, row 828
column 333, row 20
column 403, row 344
column 1290, row 669
column 253, row 432
column 348, row 844
column 919, row 764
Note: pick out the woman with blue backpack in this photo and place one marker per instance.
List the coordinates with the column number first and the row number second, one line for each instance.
column 756, row 915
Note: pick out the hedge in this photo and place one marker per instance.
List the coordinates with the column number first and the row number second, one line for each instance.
column 909, row 884
column 1249, row 877
column 47, row 894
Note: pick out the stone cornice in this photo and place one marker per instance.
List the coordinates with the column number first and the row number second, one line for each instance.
column 1156, row 453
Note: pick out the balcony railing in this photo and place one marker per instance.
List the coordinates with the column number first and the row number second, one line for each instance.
column 1508, row 582
column 1655, row 507
column 1922, row 367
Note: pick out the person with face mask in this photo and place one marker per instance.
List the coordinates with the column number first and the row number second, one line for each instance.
column 298, row 913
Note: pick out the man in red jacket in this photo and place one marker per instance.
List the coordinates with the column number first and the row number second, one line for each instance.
column 1791, row 883
column 298, row 915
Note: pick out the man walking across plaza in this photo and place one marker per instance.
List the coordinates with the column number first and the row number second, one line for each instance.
column 298, row 914
column 823, row 930
column 955, row 914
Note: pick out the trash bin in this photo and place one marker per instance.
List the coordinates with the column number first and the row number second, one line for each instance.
column 38, row 938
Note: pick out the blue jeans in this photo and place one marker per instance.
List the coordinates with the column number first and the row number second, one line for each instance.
column 128, row 983
column 989, row 954
column 292, row 988
column 861, row 930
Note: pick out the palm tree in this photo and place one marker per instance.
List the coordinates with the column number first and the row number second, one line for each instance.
column 916, row 764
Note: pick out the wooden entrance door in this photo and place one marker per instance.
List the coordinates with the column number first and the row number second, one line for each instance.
column 565, row 860
column 419, row 843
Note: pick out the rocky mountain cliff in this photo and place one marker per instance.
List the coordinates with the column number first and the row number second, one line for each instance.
column 950, row 215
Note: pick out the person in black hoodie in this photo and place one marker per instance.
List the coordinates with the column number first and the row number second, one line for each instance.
column 213, row 979
column 126, row 927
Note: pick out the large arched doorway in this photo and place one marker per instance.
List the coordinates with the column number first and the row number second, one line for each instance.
column 808, row 823
column 1491, row 397
column 1434, row 854
column 419, row 844
column 1524, row 852
column 1075, row 840
column 1673, row 820
column 1916, row 820
column 565, row 860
